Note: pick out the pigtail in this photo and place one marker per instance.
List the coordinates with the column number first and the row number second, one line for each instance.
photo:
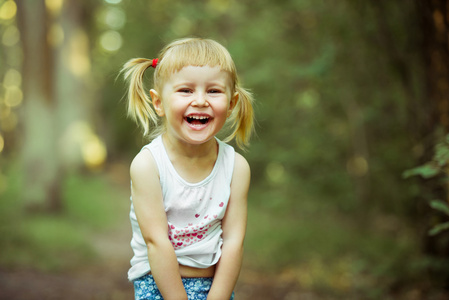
column 139, row 103
column 242, row 118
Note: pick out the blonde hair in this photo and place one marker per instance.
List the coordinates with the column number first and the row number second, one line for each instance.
column 174, row 57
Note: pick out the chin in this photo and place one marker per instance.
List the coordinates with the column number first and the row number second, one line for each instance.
column 199, row 138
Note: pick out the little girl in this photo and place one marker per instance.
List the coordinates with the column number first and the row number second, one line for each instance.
column 188, row 188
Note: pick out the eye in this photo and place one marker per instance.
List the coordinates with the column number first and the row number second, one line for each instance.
column 185, row 91
column 214, row 91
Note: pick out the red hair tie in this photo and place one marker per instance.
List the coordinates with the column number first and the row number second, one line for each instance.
column 154, row 64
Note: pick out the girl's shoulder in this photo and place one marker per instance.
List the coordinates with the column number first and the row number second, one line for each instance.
column 241, row 167
column 145, row 161
column 143, row 164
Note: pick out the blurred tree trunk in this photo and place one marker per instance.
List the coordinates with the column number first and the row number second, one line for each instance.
column 436, row 41
column 55, row 65
column 435, row 15
column 435, row 19
column 40, row 155
column 72, row 70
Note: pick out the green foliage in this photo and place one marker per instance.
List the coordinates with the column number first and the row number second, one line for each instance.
column 327, row 251
column 89, row 200
column 428, row 170
column 440, row 205
column 439, row 228
column 442, row 151
column 436, row 167
column 444, row 208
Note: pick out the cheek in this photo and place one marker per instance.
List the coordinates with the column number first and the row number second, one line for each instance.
column 222, row 109
column 174, row 109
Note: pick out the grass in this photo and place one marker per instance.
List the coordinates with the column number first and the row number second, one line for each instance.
column 93, row 201
column 326, row 250
column 49, row 242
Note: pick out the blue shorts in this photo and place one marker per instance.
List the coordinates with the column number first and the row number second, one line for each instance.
column 197, row 288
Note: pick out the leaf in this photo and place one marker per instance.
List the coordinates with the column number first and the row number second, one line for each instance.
column 441, row 154
column 440, row 205
column 427, row 170
column 438, row 228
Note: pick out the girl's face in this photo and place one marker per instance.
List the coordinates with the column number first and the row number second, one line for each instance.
column 195, row 103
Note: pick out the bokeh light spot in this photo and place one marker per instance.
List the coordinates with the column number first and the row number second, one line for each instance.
column 220, row 6
column 275, row 172
column 181, row 26
column 4, row 111
column 2, row 143
column 357, row 166
column 11, row 36
column 111, row 41
column 81, row 136
column 78, row 54
column 308, row 99
column 113, row 1
column 8, row 10
column 12, row 78
column 94, row 152
column 13, row 96
column 55, row 35
column 10, row 122
column 115, row 17
column 54, row 6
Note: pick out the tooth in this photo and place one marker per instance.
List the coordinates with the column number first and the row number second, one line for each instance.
column 198, row 117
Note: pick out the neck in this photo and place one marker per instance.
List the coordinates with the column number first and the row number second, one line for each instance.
column 192, row 162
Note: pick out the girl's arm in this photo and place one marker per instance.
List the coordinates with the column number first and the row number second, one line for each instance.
column 152, row 219
column 234, row 228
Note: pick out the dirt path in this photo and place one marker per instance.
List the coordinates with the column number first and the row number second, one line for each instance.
column 107, row 278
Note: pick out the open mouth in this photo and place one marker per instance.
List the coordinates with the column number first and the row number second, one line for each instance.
column 197, row 120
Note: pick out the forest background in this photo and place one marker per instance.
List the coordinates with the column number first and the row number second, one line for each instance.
column 348, row 165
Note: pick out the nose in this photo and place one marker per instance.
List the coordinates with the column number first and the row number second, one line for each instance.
column 200, row 100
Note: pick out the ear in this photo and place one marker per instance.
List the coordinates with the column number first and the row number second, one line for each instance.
column 233, row 103
column 157, row 103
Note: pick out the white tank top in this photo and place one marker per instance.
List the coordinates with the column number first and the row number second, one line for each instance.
column 194, row 211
